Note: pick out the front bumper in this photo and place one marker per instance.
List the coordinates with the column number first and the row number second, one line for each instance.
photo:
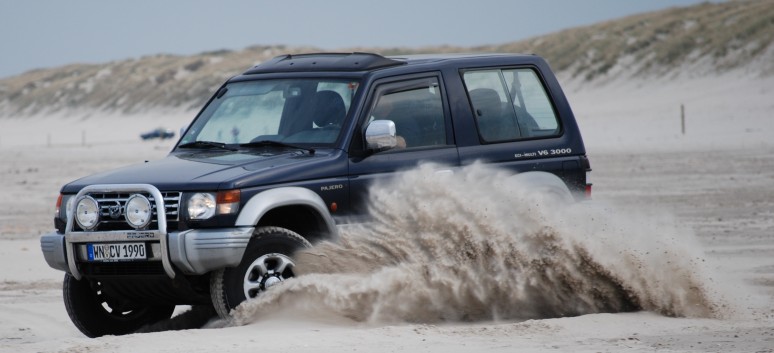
column 53, row 247
column 199, row 251
column 191, row 252
column 195, row 251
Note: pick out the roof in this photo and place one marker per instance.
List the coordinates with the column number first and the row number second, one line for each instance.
column 356, row 61
column 324, row 62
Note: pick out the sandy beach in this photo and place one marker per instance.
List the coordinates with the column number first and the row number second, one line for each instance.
column 708, row 193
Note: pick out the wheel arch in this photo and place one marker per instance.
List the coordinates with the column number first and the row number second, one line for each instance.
column 544, row 182
column 284, row 207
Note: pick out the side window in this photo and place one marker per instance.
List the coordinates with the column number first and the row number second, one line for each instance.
column 510, row 104
column 531, row 102
column 416, row 109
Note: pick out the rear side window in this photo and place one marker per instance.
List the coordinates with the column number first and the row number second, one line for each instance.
column 510, row 104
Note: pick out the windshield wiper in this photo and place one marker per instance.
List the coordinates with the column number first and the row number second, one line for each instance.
column 207, row 144
column 264, row 143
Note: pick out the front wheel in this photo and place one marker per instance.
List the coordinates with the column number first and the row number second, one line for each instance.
column 267, row 261
column 96, row 314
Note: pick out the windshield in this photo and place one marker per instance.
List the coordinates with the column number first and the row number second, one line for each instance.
column 293, row 111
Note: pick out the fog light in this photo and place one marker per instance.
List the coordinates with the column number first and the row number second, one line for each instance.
column 138, row 211
column 87, row 213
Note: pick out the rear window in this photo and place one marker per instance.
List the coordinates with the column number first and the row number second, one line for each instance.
column 510, row 104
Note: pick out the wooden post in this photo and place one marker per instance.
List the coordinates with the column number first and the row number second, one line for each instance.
column 682, row 118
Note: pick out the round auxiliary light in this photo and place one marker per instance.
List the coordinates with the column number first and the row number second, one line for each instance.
column 87, row 213
column 138, row 211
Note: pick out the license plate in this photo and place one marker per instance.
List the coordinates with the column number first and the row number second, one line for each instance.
column 116, row 251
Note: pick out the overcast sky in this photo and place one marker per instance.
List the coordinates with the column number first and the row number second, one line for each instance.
column 48, row 33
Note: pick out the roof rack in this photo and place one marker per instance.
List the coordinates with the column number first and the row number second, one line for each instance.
column 324, row 62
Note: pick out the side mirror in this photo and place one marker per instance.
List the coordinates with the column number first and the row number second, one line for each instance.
column 380, row 135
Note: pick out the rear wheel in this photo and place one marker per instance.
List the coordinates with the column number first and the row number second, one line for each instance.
column 267, row 261
column 96, row 314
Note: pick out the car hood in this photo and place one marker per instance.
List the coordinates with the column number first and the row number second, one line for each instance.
column 221, row 170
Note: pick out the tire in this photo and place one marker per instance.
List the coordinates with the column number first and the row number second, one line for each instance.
column 266, row 262
column 93, row 312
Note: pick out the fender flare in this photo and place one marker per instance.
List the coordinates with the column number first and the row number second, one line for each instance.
column 265, row 201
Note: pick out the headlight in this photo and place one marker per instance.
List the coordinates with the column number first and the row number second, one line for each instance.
column 138, row 211
column 201, row 206
column 64, row 206
column 70, row 204
column 87, row 213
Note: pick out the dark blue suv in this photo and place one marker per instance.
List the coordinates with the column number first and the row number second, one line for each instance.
column 278, row 157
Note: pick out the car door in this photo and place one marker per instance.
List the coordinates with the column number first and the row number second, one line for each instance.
column 418, row 106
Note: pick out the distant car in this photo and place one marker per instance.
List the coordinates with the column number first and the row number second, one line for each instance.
column 158, row 133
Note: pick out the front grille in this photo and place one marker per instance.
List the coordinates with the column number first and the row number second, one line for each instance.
column 116, row 221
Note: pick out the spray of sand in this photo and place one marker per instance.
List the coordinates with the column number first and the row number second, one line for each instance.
column 479, row 245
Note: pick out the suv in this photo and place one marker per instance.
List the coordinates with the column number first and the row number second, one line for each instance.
column 278, row 157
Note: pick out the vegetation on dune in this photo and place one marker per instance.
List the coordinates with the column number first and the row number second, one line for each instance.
column 715, row 37
column 729, row 35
